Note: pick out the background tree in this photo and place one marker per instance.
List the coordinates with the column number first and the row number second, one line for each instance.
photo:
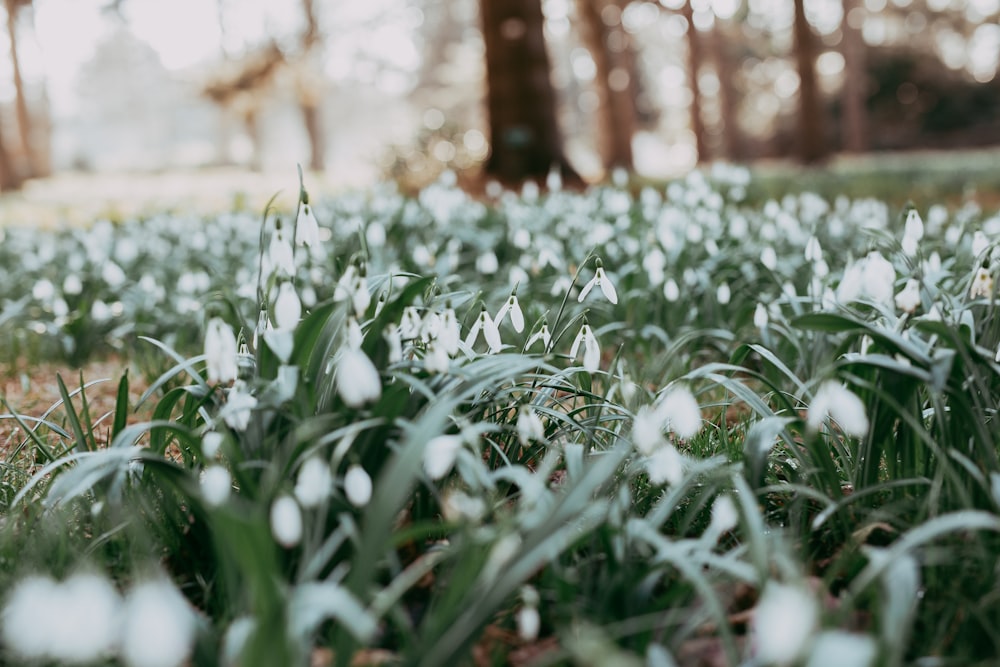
column 812, row 145
column 854, row 96
column 694, row 60
column 31, row 163
column 521, row 104
column 725, row 39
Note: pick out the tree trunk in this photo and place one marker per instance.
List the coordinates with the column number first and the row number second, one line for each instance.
column 725, row 69
column 520, row 100
column 309, row 98
column 694, row 65
column 311, row 119
column 9, row 178
column 854, row 121
column 812, row 143
column 20, row 100
column 616, row 84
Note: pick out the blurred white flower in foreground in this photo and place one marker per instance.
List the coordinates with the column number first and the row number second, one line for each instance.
column 665, row 465
column 542, row 334
column 440, row 455
column 680, row 412
column 837, row 648
column 529, row 426
column 841, row 405
column 908, row 298
column 158, row 626
column 240, row 404
column 982, row 284
column 220, row 352
column 358, row 381
column 913, row 231
column 73, row 622
column 980, row 242
column 287, row 307
column 313, row 483
column 872, row 277
column 286, row 521
column 783, row 624
column 357, row 486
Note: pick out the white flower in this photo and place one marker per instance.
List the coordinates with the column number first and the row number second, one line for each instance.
column 306, row 227
column 909, row 245
column 529, row 426
column 769, row 258
column 591, row 348
column 216, row 485
column 723, row 294
column 345, row 286
column 220, row 352
column 982, row 284
column 211, row 442
column 239, row 407
column 286, row 521
column 814, row 252
column 980, row 242
column 841, row 405
column 73, row 285
column 760, row 317
column 601, row 280
column 647, row 430
column 487, row 263
column 542, row 335
column 879, row 278
column 914, row 226
column 281, row 342
column 460, row 506
column 409, row 327
column 485, row 324
column 358, row 381
column 836, row 648
column 355, row 337
column 361, row 298
column 512, row 307
column 450, row 332
column 280, row 255
column 783, row 623
column 681, row 412
column 665, row 465
column 440, row 455
column 158, row 626
column 725, row 516
column 287, row 307
column 395, row 343
column 671, row 291
column 357, row 486
column 113, row 274
column 436, row 359
column 528, row 623
column 313, row 483
column 909, row 297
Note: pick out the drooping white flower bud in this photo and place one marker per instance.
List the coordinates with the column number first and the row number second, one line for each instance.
column 843, row 406
column 286, row 521
column 314, row 481
column 220, row 352
column 357, row 486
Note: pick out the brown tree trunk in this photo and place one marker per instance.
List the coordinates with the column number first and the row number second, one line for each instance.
column 812, row 143
column 521, row 103
column 725, row 69
column 309, row 99
column 854, row 121
column 311, row 119
column 9, row 178
column 616, row 83
column 694, row 66
column 20, row 100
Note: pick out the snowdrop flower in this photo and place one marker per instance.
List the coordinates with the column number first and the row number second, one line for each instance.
column 43, row 290
column 665, row 465
column 358, row 381
column 836, row 648
column 528, row 623
column 73, row 285
column 980, row 242
column 286, row 521
column 841, row 405
column 783, row 624
column 647, row 430
column 485, row 324
column 601, row 280
column 671, row 291
column 240, row 404
column 529, row 426
column 814, row 252
column 313, row 483
column 220, row 352
column 287, row 307
column 873, row 277
column 542, row 334
column 395, row 343
column 113, row 274
column 450, row 332
column 512, row 307
column 436, row 359
column 723, row 294
column 211, row 443
column 355, row 337
column 725, row 516
column 440, row 455
column 909, row 297
column 554, row 182
column 409, row 326
column 280, row 255
column 32, row 606
column 591, row 348
column 913, row 231
column 982, row 284
column 216, row 485
column 487, row 263
column 681, row 412
column 760, row 316
column 158, row 626
column 769, row 258
column 306, row 227
column 281, row 342
column 459, row 506
column 357, row 486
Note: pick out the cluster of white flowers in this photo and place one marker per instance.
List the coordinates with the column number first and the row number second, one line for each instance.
column 83, row 620
column 675, row 411
column 840, row 404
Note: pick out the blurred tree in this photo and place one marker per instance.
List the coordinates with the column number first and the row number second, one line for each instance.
column 9, row 178
column 724, row 39
column 525, row 139
column 616, row 79
column 31, row 163
column 854, row 96
column 694, row 59
column 812, row 145
column 308, row 86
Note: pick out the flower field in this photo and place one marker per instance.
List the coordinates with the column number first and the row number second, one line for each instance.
column 682, row 425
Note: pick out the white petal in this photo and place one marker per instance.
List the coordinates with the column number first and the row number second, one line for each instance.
column 470, row 339
column 492, row 335
column 358, row 380
column 575, row 348
column 313, row 483
column 216, row 485
column 286, row 521
column 610, row 293
column 783, row 623
column 517, row 316
column 287, row 307
column 357, row 486
column 158, row 628
column 591, row 352
column 586, row 289
column 440, row 455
